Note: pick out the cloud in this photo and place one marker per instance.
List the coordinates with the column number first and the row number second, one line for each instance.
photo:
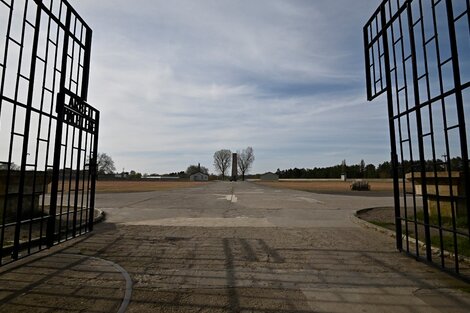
column 177, row 80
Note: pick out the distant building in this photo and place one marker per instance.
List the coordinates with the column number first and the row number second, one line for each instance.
column 199, row 177
column 162, row 178
column 114, row 176
column 269, row 176
column 121, row 175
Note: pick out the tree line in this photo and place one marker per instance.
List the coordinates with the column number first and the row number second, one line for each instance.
column 246, row 157
column 360, row 170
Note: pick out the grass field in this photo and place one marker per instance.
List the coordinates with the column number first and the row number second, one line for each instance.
column 385, row 217
column 141, row 186
column 332, row 186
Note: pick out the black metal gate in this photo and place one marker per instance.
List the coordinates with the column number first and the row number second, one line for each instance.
column 48, row 133
column 418, row 53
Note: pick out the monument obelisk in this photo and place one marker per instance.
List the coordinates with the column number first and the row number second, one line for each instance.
column 234, row 167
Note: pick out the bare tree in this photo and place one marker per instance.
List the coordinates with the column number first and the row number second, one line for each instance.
column 4, row 166
column 105, row 164
column 222, row 161
column 245, row 160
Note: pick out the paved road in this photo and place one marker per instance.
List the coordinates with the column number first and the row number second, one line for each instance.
column 237, row 247
column 235, row 205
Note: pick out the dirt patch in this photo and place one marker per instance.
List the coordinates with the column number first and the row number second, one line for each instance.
column 384, row 217
column 377, row 188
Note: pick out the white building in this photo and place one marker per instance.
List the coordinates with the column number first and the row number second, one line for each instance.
column 269, row 176
column 199, row 177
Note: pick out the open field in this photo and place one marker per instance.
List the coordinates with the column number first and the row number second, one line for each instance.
column 142, row 186
column 380, row 186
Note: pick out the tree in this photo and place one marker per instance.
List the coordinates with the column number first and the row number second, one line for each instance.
column 384, row 170
column 196, row 168
column 135, row 175
column 371, row 171
column 104, row 164
column 245, row 160
column 222, row 161
column 13, row 166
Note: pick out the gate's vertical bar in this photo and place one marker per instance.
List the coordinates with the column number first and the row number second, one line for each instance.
column 93, row 170
column 422, row 157
column 367, row 61
column 58, row 139
column 84, row 94
column 2, row 87
column 460, row 111
column 24, row 153
column 86, row 64
column 80, row 120
column 393, row 147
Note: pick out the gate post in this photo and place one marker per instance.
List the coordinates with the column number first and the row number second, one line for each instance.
column 92, row 160
column 93, row 173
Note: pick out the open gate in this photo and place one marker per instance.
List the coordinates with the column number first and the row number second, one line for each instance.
column 418, row 53
column 48, row 133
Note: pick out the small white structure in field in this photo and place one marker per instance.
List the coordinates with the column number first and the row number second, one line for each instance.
column 199, row 177
column 269, row 176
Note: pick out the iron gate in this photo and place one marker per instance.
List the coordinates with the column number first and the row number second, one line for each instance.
column 418, row 53
column 48, row 133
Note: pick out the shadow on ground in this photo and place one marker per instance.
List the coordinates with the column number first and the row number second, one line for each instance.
column 194, row 269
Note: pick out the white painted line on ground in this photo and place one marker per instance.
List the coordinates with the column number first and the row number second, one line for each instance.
column 234, row 199
column 310, row 200
column 231, row 198
column 250, row 192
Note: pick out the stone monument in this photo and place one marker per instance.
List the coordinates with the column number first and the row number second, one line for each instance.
column 234, row 167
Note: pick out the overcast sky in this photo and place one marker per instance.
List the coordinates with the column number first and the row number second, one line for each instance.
column 177, row 80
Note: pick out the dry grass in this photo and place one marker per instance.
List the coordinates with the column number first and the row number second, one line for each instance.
column 141, row 186
column 323, row 186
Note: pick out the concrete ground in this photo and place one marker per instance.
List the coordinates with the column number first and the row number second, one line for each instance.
column 229, row 247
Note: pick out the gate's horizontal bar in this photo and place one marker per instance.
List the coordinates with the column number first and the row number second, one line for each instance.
column 25, row 221
column 7, row 4
column 22, row 105
column 426, row 103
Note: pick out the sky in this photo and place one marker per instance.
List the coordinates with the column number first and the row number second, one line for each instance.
column 177, row 80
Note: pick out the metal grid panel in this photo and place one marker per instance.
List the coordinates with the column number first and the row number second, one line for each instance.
column 48, row 134
column 417, row 51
